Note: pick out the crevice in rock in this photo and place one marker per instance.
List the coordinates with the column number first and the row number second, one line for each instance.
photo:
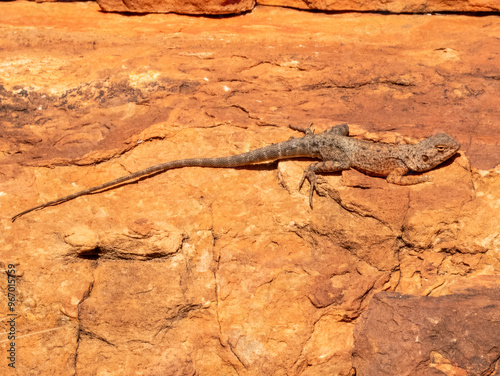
column 92, row 335
column 175, row 315
column 399, row 244
column 85, row 296
column 236, row 355
column 93, row 254
column 492, row 12
column 493, row 368
column 362, row 215
column 216, row 287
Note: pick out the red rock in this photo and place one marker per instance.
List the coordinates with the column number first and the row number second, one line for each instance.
column 186, row 7
column 228, row 271
column 454, row 334
column 401, row 6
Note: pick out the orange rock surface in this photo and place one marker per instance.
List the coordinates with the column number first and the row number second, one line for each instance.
column 228, row 271
column 214, row 7
column 393, row 6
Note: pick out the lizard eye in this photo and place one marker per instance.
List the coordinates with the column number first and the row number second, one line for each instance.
column 440, row 148
column 425, row 158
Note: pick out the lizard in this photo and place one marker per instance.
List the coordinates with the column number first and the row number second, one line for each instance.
column 336, row 150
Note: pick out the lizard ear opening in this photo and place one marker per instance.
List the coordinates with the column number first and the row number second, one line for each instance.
column 425, row 158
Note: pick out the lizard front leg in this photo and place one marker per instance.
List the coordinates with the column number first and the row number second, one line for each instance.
column 396, row 177
column 326, row 166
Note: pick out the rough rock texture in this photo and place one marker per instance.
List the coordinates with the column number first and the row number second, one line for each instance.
column 393, row 6
column 229, row 272
column 238, row 6
column 176, row 6
column 420, row 335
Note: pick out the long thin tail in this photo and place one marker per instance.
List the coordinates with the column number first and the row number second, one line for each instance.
column 288, row 149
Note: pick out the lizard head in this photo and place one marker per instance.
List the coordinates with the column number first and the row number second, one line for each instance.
column 431, row 152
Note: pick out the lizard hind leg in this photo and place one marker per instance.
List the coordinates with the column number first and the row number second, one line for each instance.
column 310, row 175
column 326, row 166
column 308, row 131
column 340, row 129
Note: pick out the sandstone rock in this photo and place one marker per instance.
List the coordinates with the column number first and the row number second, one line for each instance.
column 228, row 271
column 454, row 334
column 186, row 7
column 239, row 6
column 402, row 6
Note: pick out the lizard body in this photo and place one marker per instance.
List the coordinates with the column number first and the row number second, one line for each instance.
column 336, row 150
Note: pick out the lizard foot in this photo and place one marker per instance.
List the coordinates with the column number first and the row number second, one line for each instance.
column 311, row 178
